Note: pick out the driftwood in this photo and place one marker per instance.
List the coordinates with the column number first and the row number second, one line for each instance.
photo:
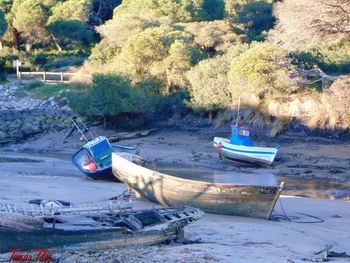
column 129, row 135
column 324, row 254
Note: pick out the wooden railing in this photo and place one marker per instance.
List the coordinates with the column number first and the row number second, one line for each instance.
column 60, row 76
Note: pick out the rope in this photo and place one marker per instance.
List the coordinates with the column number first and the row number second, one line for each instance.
column 295, row 219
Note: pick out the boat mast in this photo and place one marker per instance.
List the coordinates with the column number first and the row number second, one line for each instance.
column 238, row 108
column 76, row 120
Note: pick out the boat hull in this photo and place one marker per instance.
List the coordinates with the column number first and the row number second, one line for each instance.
column 227, row 199
column 255, row 155
column 100, row 174
column 91, row 231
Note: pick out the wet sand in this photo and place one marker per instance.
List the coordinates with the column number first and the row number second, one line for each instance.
column 45, row 171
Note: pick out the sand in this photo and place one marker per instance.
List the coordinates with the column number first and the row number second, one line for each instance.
column 221, row 238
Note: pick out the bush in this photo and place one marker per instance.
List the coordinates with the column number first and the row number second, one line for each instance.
column 332, row 57
column 47, row 60
column 112, row 95
column 260, row 72
column 209, row 84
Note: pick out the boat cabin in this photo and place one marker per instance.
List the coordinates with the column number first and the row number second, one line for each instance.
column 240, row 136
column 100, row 150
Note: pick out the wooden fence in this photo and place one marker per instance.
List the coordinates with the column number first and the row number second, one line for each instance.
column 50, row 77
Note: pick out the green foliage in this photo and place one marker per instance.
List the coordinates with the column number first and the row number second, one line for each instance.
column 48, row 60
column 71, row 33
column 42, row 91
column 123, row 26
column 209, row 84
column 332, row 57
column 78, row 10
column 30, row 18
column 112, row 95
column 3, row 23
column 251, row 18
column 7, row 56
column 145, row 52
column 213, row 36
column 68, row 23
column 175, row 10
column 104, row 52
column 255, row 18
column 259, row 72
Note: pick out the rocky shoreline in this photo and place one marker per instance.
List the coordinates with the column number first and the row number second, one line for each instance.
column 23, row 117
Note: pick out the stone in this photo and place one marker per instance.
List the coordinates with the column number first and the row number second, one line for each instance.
column 18, row 134
column 17, row 123
column 3, row 135
column 30, row 129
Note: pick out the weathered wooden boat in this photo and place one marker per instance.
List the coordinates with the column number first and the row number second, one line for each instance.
column 97, row 227
column 241, row 148
column 94, row 158
column 227, row 199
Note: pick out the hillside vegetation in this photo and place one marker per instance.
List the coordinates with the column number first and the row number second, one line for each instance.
column 286, row 60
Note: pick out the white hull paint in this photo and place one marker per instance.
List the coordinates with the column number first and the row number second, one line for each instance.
column 257, row 155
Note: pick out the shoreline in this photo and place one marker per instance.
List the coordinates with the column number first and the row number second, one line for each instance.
column 214, row 238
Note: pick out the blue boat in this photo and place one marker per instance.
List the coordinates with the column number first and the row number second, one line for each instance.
column 241, row 148
column 94, row 159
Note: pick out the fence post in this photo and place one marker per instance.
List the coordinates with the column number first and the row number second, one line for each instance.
column 62, row 77
column 44, row 76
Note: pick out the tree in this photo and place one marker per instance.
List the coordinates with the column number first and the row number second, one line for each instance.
column 303, row 24
column 175, row 10
column 255, row 18
column 112, row 95
column 260, row 72
column 123, row 26
column 176, row 64
column 30, row 17
column 3, row 27
column 68, row 23
column 213, row 36
column 103, row 10
column 209, row 84
column 145, row 51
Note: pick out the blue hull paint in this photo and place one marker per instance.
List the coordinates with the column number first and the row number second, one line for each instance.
column 105, row 173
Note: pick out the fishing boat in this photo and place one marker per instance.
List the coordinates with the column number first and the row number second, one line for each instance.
column 241, row 148
column 228, row 199
column 94, row 159
column 90, row 226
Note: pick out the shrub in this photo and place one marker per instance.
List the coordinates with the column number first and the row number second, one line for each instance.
column 261, row 71
column 209, row 84
column 111, row 95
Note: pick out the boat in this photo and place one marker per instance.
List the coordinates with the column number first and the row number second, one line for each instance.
column 94, row 158
column 90, row 226
column 241, row 148
column 227, row 199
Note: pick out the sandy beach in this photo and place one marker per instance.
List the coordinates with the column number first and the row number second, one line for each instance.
column 41, row 168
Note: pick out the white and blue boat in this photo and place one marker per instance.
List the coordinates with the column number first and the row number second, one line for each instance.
column 241, row 148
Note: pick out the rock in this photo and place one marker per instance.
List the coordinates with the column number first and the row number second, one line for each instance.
column 3, row 135
column 17, row 123
column 17, row 134
column 30, row 129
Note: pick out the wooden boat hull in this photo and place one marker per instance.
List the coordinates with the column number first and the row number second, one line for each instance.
column 255, row 155
column 100, row 174
column 96, row 230
column 227, row 199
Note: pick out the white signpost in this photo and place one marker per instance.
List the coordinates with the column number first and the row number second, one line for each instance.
column 16, row 65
